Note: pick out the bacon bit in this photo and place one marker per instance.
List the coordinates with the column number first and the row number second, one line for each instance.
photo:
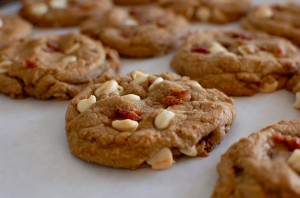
column 30, row 63
column 292, row 143
column 134, row 11
column 202, row 50
column 129, row 114
column 182, row 94
column 53, row 46
column 171, row 101
column 278, row 52
column 161, row 22
column 244, row 36
column 128, row 33
column 176, row 96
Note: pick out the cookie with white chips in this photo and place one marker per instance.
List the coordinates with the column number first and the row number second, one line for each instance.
column 139, row 120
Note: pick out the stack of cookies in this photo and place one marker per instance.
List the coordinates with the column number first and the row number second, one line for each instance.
column 140, row 119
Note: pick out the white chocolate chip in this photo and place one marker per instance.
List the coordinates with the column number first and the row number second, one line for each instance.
column 85, row 104
column 294, row 160
column 192, row 151
column 1, row 23
column 297, row 102
column 130, row 22
column 203, row 14
column 163, row 119
column 70, row 59
column 108, row 87
column 195, row 83
column 156, row 81
column 162, row 159
column 39, row 8
column 132, row 97
column 60, row 95
column 246, row 49
column 217, row 48
column 125, row 125
column 59, row 4
column 73, row 48
column 269, row 87
column 4, row 65
column 264, row 11
column 139, row 77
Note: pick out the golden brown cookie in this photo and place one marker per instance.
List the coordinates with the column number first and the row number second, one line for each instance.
column 237, row 62
column 54, row 66
column 264, row 165
column 139, row 120
column 13, row 28
column 215, row 11
column 281, row 20
column 62, row 13
column 138, row 32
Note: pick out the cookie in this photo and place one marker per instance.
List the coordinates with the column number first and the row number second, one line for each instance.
column 140, row 120
column 138, row 32
column 131, row 2
column 214, row 11
column 266, row 164
column 55, row 66
column 13, row 28
column 281, row 20
column 238, row 63
column 62, row 13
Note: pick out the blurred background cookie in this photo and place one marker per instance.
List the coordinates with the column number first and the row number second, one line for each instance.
column 138, row 32
column 54, row 66
column 62, row 13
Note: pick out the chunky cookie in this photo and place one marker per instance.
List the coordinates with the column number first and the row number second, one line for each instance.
column 215, row 11
column 138, row 32
column 281, row 20
column 130, row 2
column 139, row 120
column 55, row 66
column 236, row 62
column 266, row 164
column 13, row 28
column 62, row 13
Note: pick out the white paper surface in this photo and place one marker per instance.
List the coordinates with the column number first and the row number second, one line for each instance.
column 35, row 160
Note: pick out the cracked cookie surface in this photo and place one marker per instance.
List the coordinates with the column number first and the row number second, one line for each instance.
column 54, row 66
column 13, row 28
column 237, row 62
column 62, row 13
column 215, row 11
column 138, row 32
column 139, row 120
column 280, row 20
column 265, row 164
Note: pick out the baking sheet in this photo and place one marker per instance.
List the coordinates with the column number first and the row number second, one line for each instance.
column 35, row 160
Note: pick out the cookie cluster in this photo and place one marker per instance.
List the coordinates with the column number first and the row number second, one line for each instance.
column 143, row 120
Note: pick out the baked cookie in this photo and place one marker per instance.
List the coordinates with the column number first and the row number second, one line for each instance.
column 236, row 62
column 264, row 165
column 62, row 13
column 138, row 32
column 13, row 28
column 130, row 2
column 139, row 120
column 55, row 66
column 281, row 20
column 215, row 11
